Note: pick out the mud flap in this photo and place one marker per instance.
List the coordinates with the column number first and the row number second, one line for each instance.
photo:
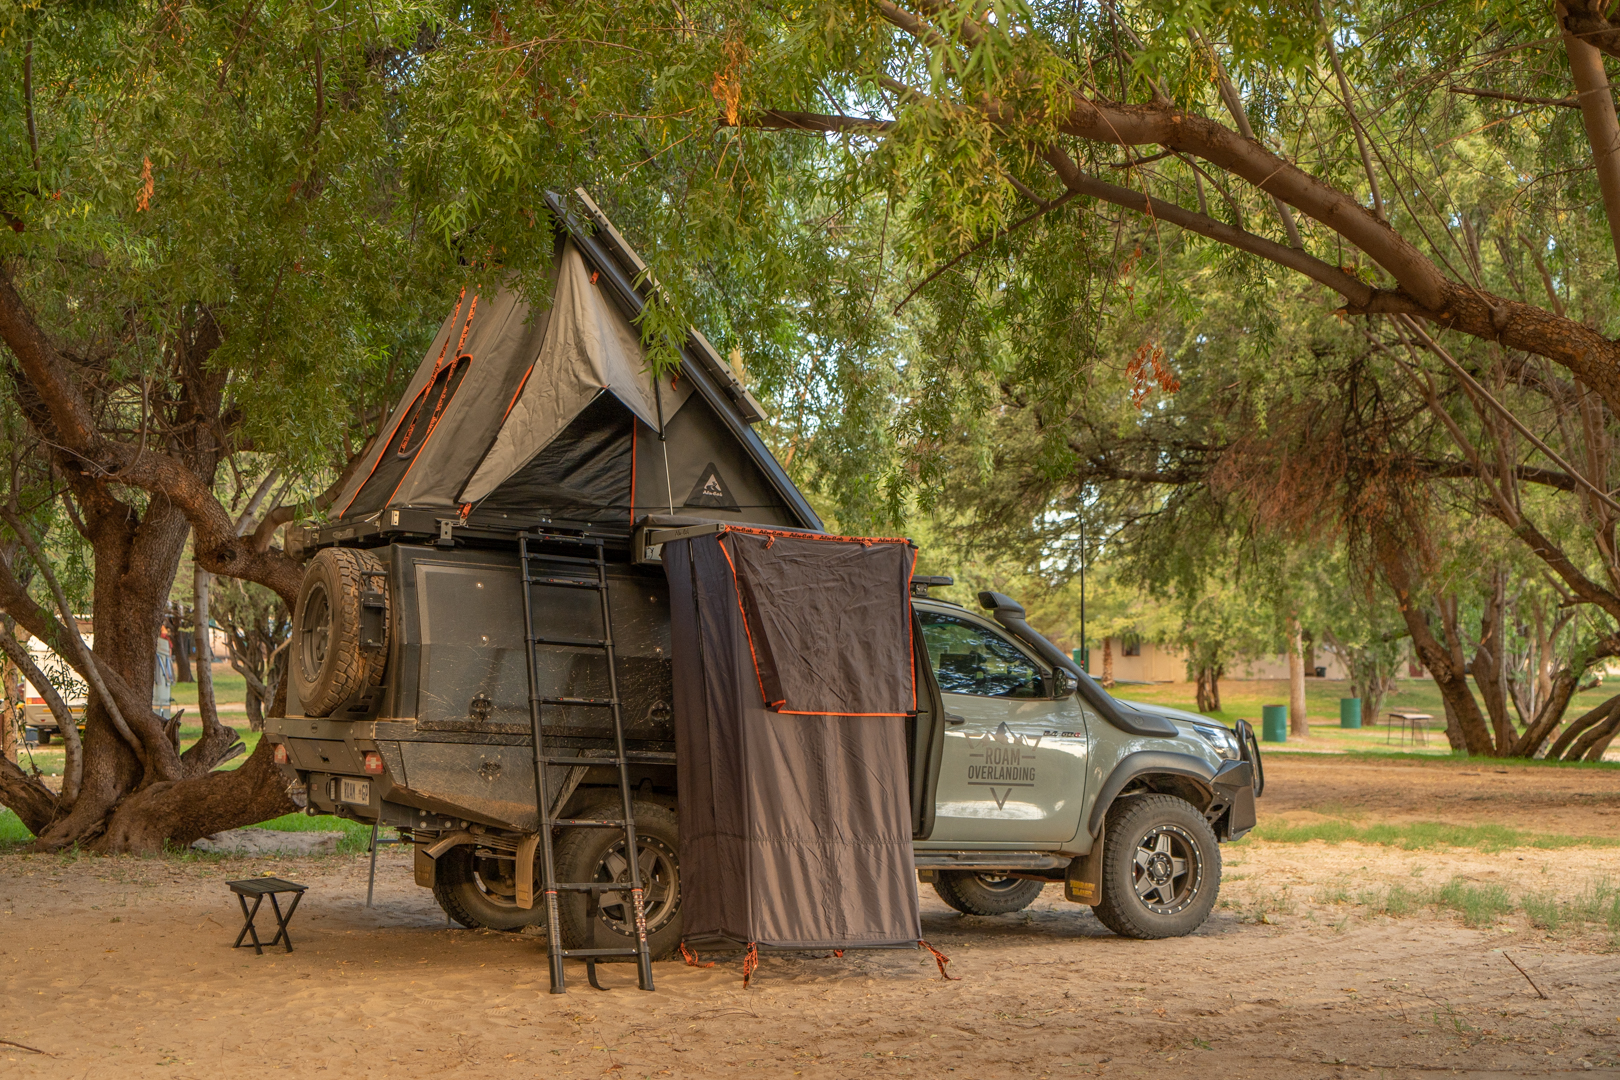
column 426, row 865
column 525, row 870
column 1083, row 882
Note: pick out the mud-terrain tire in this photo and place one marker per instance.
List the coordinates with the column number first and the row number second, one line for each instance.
column 586, row 855
column 473, row 892
column 1161, row 871
column 43, row 736
column 975, row 893
column 328, row 665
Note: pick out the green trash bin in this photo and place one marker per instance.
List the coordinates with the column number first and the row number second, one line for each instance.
column 1350, row 712
column 1274, row 723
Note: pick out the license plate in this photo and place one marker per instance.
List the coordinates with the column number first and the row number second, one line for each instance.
column 355, row 791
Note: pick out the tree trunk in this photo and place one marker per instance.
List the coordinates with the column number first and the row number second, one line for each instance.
column 180, row 642
column 1489, row 664
column 1209, row 688
column 1298, row 723
column 1108, row 663
column 11, row 711
column 1465, row 725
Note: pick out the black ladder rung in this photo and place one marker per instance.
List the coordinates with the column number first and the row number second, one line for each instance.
column 591, row 702
column 586, row 823
column 592, row 886
column 559, row 759
column 582, row 953
column 580, row 643
column 563, row 538
column 574, row 559
column 565, row 583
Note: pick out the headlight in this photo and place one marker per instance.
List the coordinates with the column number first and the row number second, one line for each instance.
column 1222, row 739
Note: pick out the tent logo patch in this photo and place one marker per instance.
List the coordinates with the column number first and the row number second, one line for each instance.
column 711, row 492
column 1004, row 760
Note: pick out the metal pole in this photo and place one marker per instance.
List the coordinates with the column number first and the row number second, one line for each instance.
column 371, row 886
column 1085, row 647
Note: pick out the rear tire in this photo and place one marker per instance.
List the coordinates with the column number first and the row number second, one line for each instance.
column 482, row 893
column 978, row 893
column 1161, row 869
column 588, row 855
column 44, row 736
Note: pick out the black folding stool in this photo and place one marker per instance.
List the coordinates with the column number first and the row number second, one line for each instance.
column 259, row 888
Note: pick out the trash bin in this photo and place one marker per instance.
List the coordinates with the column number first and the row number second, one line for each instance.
column 1350, row 712
column 1274, row 723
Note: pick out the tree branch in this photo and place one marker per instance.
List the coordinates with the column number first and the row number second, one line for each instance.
column 1597, row 113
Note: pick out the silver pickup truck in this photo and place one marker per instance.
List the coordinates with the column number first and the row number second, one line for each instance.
column 1024, row 773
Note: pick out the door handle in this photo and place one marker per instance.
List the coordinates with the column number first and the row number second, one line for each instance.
column 952, row 718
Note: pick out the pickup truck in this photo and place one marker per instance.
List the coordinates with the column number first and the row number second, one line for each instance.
column 1039, row 777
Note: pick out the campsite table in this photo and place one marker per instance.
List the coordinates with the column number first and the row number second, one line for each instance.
column 259, row 888
column 1415, row 724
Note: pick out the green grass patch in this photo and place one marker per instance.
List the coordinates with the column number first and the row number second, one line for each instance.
column 11, row 829
column 1422, row 835
column 1597, row 903
column 1479, row 905
column 356, row 837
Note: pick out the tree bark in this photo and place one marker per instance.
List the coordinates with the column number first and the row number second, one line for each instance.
column 1298, row 723
column 1561, row 749
column 11, row 709
column 1598, row 117
column 1108, row 663
column 1209, row 688
column 72, row 747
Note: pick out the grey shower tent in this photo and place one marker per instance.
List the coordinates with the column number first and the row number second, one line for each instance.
column 795, row 676
column 545, row 413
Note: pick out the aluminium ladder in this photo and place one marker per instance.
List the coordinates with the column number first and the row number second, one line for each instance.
column 598, row 581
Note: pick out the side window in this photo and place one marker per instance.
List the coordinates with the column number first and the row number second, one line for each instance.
column 970, row 659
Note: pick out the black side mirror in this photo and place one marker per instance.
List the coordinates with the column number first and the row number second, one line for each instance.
column 1063, row 682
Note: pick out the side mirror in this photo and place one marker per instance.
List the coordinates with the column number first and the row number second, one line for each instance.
column 1063, row 682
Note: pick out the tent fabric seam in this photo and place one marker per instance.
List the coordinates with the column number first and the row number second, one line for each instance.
column 433, row 426
column 737, row 589
column 382, row 449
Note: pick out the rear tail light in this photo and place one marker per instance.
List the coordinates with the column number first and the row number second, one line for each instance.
column 36, row 701
column 281, row 754
column 371, row 761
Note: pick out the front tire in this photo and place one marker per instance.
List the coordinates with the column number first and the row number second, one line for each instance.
column 1161, row 869
column 481, row 893
column 976, row 893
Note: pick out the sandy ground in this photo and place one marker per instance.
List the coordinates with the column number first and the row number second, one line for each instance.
column 121, row 967
column 1573, row 802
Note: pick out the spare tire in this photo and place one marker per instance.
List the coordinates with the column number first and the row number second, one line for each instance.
column 328, row 665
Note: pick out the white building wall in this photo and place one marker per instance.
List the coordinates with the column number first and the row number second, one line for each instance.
column 1167, row 664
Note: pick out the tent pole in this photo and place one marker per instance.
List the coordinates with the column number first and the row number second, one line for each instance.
column 658, row 397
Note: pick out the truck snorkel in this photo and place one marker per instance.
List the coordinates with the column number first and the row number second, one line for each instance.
column 1011, row 616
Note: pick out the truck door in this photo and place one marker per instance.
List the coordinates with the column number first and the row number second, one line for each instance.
column 1014, row 763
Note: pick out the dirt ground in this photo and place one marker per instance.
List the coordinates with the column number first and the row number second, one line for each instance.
column 1572, row 802
column 121, row 967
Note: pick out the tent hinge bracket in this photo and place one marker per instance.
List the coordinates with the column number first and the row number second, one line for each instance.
column 445, row 539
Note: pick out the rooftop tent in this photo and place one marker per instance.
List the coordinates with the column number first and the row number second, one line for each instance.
column 525, row 414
